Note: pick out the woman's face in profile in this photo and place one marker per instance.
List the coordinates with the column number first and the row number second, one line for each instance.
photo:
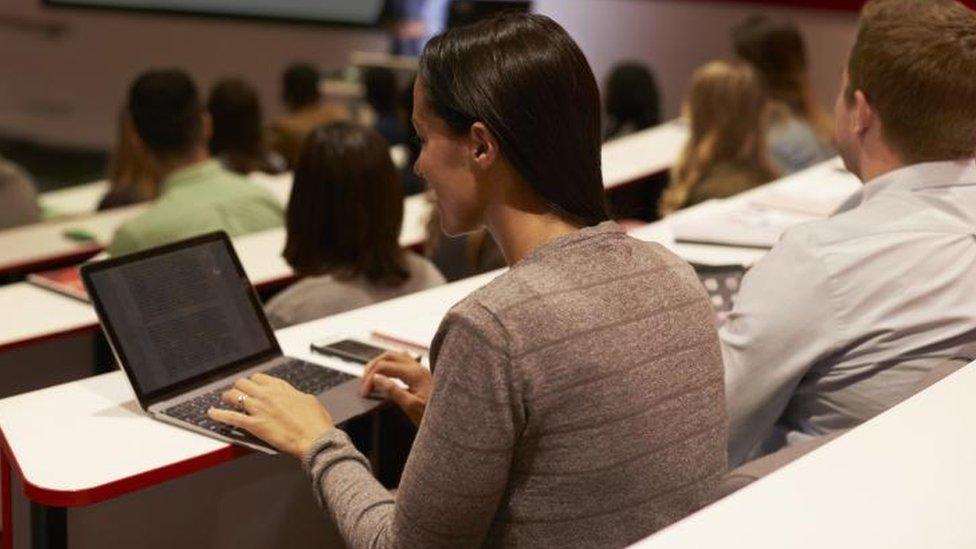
column 445, row 162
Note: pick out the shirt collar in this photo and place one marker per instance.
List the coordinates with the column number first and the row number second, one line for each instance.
column 920, row 176
column 191, row 174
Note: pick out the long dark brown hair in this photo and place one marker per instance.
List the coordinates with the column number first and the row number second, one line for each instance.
column 528, row 82
column 346, row 207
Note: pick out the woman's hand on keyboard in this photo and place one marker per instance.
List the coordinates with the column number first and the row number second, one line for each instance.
column 275, row 412
column 400, row 378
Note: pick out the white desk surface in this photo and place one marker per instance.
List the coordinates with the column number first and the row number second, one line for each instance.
column 43, row 313
column 760, row 215
column 74, row 438
column 817, row 190
column 31, row 313
column 46, row 241
column 261, row 257
column 902, row 480
column 624, row 160
column 642, row 154
column 74, row 200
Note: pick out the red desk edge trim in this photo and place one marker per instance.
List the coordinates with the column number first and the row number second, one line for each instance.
column 58, row 498
column 65, row 259
column 266, row 285
column 6, row 500
column 836, row 5
column 48, row 337
column 114, row 489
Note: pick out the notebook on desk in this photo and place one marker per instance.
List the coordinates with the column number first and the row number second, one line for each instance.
column 184, row 322
column 66, row 281
column 736, row 223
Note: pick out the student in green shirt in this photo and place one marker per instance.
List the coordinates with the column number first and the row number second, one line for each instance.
column 197, row 195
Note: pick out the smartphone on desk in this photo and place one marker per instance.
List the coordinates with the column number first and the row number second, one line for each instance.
column 349, row 349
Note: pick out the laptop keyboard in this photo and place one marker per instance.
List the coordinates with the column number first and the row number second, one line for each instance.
column 304, row 376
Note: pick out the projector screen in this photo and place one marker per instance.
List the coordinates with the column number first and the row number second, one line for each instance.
column 350, row 12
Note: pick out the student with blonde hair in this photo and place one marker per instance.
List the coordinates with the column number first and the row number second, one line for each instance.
column 726, row 153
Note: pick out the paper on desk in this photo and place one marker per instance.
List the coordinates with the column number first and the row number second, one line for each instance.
column 735, row 223
column 821, row 199
column 415, row 332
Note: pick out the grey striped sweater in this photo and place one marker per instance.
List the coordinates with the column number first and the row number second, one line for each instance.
column 578, row 402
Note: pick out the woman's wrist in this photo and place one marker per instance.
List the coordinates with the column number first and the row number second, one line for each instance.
column 326, row 440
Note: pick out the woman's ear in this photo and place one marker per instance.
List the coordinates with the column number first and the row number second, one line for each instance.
column 484, row 147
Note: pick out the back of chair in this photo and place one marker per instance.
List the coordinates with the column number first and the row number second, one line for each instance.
column 748, row 473
column 754, row 470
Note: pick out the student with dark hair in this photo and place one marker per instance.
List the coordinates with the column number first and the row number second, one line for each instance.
column 633, row 100
column 800, row 132
column 238, row 140
column 845, row 317
column 197, row 195
column 306, row 110
column 381, row 94
column 574, row 401
column 343, row 222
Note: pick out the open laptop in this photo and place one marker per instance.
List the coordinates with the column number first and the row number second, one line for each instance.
column 185, row 323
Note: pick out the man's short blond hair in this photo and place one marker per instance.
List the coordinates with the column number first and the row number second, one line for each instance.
column 915, row 61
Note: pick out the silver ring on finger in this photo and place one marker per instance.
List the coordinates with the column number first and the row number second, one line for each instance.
column 240, row 400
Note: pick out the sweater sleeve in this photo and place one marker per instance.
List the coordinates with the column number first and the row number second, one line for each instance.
column 460, row 462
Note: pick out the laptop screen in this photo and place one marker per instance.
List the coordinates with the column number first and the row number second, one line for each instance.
column 178, row 313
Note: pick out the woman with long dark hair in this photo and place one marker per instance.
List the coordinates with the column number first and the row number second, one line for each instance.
column 574, row 401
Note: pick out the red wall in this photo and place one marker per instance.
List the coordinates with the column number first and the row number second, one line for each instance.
column 852, row 5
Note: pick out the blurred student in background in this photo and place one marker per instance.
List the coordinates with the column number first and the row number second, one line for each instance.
column 197, row 194
column 18, row 197
column 382, row 96
column 238, row 138
column 306, row 110
column 726, row 150
column 130, row 176
column 801, row 131
column 633, row 100
column 412, row 183
column 343, row 219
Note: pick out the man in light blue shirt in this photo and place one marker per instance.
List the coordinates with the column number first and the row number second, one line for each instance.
column 197, row 195
column 844, row 317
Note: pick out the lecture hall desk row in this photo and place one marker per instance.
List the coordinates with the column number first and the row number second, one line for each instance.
column 45, row 245
column 897, row 481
